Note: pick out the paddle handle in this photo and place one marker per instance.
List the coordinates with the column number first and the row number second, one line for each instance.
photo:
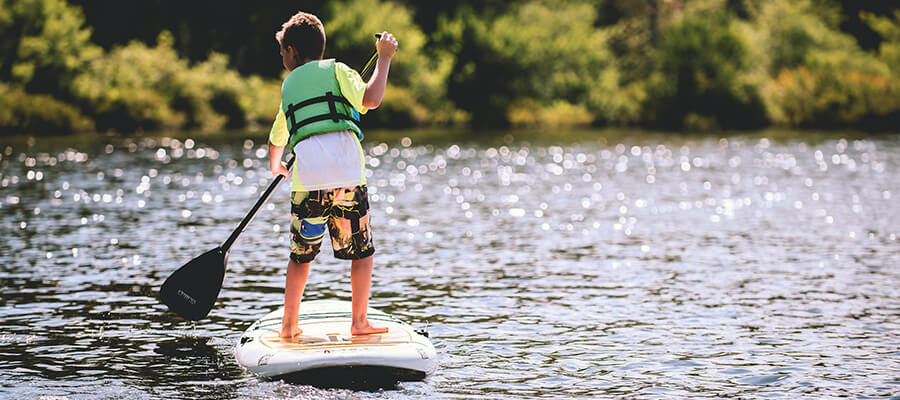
column 253, row 211
column 369, row 64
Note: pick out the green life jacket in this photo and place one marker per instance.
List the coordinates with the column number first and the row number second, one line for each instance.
column 312, row 102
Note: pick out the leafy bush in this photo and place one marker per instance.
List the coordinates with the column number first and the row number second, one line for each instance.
column 540, row 53
column 418, row 80
column 141, row 87
column 38, row 114
column 697, row 65
column 819, row 75
column 787, row 34
column 530, row 113
column 137, row 87
column 51, row 65
column 701, row 77
column 889, row 29
column 826, row 97
column 43, row 44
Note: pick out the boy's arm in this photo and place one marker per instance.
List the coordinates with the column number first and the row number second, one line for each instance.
column 275, row 165
column 387, row 46
column 278, row 138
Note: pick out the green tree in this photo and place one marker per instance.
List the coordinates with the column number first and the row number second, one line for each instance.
column 816, row 75
column 43, row 44
column 140, row 87
column 541, row 62
column 21, row 112
column 134, row 86
column 417, row 83
column 788, row 33
column 478, row 84
column 699, row 83
column 889, row 30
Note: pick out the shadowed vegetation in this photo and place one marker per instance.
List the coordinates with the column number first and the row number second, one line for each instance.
column 696, row 65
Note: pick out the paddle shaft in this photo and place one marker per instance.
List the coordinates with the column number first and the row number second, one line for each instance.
column 253, row 211
column 365, row 69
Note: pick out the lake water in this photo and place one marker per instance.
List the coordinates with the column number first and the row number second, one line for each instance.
column 597, row 264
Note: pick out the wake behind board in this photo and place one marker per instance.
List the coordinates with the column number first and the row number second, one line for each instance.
column 326, row 349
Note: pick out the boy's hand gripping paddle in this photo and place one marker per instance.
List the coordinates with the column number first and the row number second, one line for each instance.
column 370, row 66
column 191, row 291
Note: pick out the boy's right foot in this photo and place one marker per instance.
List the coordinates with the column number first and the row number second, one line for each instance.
column 364, row 328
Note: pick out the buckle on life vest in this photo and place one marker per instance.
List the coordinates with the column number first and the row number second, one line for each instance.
column 333, row 114
column 331, row 107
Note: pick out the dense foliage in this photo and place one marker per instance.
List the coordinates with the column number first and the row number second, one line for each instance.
column 688, row 64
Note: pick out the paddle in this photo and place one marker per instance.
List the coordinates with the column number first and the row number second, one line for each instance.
column 191, row 291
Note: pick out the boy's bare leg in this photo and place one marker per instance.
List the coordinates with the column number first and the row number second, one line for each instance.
column 361, row 283
column 293, row 291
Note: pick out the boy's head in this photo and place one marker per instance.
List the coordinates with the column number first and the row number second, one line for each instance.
column 301, row 38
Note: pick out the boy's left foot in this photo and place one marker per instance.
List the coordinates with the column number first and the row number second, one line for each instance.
column 287, row 333
column 365, row 328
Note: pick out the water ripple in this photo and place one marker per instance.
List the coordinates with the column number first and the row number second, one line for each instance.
column 624, row 265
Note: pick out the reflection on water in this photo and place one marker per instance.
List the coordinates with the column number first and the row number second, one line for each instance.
column 618, row 264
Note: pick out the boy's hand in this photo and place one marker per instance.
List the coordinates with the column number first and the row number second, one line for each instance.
column 386, row 45
column 275, row 165
column 280, row 169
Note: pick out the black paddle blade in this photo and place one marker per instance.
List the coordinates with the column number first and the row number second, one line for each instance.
column 191, row 291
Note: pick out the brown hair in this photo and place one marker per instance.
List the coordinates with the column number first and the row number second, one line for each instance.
column 305, row 33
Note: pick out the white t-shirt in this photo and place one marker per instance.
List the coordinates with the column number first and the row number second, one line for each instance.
column 327, row 161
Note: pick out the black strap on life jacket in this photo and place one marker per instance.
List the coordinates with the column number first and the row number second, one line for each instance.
column 333, row 114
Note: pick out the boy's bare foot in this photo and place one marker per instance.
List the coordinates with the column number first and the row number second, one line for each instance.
column 364, row 328
column 290, row 333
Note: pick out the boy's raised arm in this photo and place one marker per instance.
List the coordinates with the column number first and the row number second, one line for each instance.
column 386, row 46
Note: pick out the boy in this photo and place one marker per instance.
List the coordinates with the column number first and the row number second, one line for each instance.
column 320, row 102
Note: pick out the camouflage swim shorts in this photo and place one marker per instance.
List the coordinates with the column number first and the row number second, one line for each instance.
column 344, row 210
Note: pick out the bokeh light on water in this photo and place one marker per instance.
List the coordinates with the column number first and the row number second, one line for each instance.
column 624, row 265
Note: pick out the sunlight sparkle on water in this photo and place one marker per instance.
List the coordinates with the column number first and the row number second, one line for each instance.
column 693, row 248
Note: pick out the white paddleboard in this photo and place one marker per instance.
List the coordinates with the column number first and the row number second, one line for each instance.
column 326, row 347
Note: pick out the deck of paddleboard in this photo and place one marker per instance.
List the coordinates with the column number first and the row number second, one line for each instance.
column 331, row 334
column 326, row 342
